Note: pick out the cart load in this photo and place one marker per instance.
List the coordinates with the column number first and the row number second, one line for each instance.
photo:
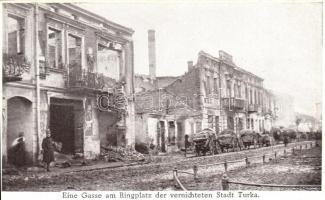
column 248, row 138
column 205, row 141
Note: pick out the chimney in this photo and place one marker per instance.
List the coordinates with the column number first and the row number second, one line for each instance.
column 189, row 65
column 152, row 53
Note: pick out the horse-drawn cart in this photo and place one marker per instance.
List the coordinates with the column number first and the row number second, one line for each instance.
column 205, row 141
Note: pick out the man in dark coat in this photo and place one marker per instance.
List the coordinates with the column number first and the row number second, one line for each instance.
column 286, row 139
column 48, row 150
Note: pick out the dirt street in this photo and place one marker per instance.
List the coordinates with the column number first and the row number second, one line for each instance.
column 155, row 176
column 302, row 168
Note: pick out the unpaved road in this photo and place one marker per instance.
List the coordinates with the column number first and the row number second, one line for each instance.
column 303, row 168
column 156, row 176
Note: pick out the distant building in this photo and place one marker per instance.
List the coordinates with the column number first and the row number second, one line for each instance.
column 214, row 93
column 284, row 109
column 319, row 115
column 145, row 82
column 227, row 96
column 306, row 123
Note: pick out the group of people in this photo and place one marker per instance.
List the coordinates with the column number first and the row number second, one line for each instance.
column 18, row 153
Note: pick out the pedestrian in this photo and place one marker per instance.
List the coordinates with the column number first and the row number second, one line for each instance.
column 48, row 150
column 286, row 140
column 152, row 145
column 18, row 150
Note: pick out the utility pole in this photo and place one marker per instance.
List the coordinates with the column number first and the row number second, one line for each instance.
column 220, row 104
column 37, row 74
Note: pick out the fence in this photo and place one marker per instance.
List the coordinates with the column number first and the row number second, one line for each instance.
column 225, row 182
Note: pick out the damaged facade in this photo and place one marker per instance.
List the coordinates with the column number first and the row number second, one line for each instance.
column 227, row 96
column 162, row 117
column 231, row 97
column 218, row 94
column 69, row 70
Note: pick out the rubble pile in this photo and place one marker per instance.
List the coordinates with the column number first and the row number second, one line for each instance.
column 68, row 160
column 114, row 154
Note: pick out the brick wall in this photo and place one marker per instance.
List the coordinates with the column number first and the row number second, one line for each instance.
column 188, row 86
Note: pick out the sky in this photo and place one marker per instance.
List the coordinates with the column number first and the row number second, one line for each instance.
column 280, row 42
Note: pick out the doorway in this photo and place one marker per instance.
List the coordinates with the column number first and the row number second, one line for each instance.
column 66, row 122
column 19, row 120
column 171, row 133
column 162, row 135
column 62, row 126
column 180, row 134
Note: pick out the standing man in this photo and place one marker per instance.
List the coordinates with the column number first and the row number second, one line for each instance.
column 48, row 150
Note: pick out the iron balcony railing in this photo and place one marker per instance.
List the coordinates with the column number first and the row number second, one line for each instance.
column 83, row 79
column 13, row 66
column 211, row 102
column 233, row 103
column 253, row 108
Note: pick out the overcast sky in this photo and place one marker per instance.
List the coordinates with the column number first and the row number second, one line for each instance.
column 280, row 42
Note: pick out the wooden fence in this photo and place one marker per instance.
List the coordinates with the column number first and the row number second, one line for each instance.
column 225, row 182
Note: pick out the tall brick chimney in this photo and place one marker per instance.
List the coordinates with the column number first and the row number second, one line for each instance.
column 152, row 53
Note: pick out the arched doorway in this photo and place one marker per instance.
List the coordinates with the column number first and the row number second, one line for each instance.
column 19, row 119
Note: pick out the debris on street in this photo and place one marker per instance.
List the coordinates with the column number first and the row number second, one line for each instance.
column 114, row 154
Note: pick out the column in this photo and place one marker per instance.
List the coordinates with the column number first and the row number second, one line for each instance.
column 4, row 131
column 129, row 91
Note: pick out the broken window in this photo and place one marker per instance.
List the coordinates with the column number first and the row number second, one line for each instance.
column 210, row 121
column 108, row 60
column 208, row 85
column 16, row 35
column 235, row 90
column 215, row 83
column 74, row 50
column 54, row 42
column 228, row 88
column 255, row 97
column 250, row 96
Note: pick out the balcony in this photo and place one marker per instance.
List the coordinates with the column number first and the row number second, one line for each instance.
column 85, row 81
column 211, row 102
column 233, row 103
column 13, row 66
column 253, row 108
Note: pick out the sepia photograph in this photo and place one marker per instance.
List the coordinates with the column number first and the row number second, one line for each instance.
column 161, row 96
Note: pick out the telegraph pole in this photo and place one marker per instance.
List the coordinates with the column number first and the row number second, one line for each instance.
column 221, row 116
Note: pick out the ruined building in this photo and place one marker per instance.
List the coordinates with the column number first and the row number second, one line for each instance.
column 214, row 93
column 69, row 70
column 227, row 96
column 162, row 117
